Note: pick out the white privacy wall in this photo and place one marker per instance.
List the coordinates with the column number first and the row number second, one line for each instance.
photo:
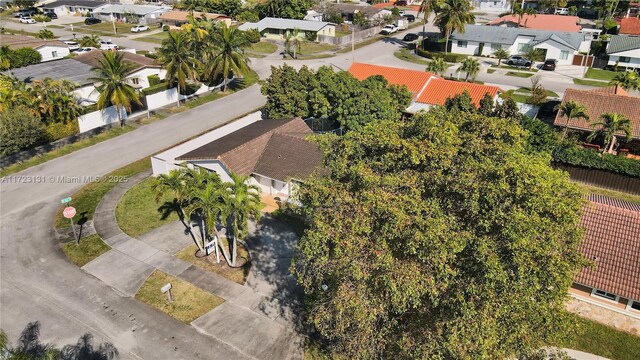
column 100, row 118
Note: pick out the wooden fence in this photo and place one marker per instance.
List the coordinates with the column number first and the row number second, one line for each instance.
column 603, row 179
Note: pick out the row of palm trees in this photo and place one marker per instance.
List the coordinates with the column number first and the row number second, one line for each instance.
column 201, row 194
column 470, row 66
column 608, row 125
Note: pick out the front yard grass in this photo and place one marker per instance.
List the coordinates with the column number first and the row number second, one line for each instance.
column 90, row 247
column 309, row 49
column 369, row 41
column 600, row 74
column 407, row 55
column 86, row 199
column 104, row 28
column 526, row 90
column 519, row 74
column 208, row 263
column 189, row 302
column 155, row 38
column 590, row 82
column 613, row 194
column 138, row 212
column 263, row 47
column 602, row 340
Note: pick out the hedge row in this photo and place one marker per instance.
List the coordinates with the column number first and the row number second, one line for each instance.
column 595, row 160
column 449, row 57
column 162, row 86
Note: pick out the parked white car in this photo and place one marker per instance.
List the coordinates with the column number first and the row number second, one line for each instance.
column 85, row 50
column 139, row 28
column 562, row 11
column 27, row 20
column 107, row 45
column 72, row 45
column 389, row 29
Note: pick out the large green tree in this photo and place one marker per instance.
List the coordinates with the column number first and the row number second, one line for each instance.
column 177, row 58
column 438, row 238
column 628, row 80
column 286, row 9
column 227, row 56
column 452, row 16
column 20, row 129
column 609, row 127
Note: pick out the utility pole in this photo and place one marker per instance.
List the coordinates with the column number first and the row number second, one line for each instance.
column 353, row 44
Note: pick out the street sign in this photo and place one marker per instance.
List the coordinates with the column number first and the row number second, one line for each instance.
column 66, row 200
column 69, row 212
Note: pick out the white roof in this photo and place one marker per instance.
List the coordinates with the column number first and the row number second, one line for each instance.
column 135, row 9
column 285, row 24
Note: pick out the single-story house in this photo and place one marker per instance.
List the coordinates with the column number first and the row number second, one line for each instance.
column 79, row 70
column 495, row 6
column 427, row 89
column 540, row 22
column 611, row 99
column 276, row 28
column 65, row 7
column 624, row 51
column 612, row 242
column 178, row 17
column 273, row 152
column 48, row 49
column 349, row 11
column 135, row 14
column 485, row 40
column 313, row 15
column 630, row 26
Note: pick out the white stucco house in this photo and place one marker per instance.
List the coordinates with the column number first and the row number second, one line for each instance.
column 136, row 14
column 494, row 6
column 624, row 51
column 277, row 29
column 66, row 7
column 480, row 40
column 48, row 49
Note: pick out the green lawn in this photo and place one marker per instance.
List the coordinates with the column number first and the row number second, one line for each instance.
column 86, row 199
column 599, row 74
column 525, row 90
column 104, row 28
column 360, row 44
column 189, row 301
column 90, row 248
column 313, row 48
column 407, row 55
column 598, row 339
column 519, row 74
column 208, row 263
column 491, row 71
column 342, row 33
column 613, row 194
column 156, row 38
column 590, row 82
column 67, row 149
column 263, row 47
column 138, row 212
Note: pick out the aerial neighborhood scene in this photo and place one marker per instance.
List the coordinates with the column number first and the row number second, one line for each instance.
column 319, row 179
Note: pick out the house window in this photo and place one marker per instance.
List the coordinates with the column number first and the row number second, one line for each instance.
column 522, row 47
column 495, row 47
column 625, row 59
column 135, row 81
column 605, row 295
column 462, row 44
column 54, row 54
column 564, row 55
column 635, row 305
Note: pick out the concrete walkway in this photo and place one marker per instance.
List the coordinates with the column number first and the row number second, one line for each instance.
column 254, row 323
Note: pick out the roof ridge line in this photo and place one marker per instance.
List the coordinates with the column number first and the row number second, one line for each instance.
column 268, row 133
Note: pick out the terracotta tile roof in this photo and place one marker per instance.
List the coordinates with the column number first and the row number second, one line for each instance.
column 92, row 58
column 611, row 90
column 22, row 41
column 598, row 103
column 414, row 80
column 273, row 148
column 630, row 26
column 542, row 22
column 612, row 242
column 439, row 90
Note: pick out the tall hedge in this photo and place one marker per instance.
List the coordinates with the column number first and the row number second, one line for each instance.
column 24, row 57
column 594, row 160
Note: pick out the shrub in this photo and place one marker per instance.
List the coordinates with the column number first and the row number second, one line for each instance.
column 154, row 80
column 45, row 34
column 252, row 36
column 311, row 36
column 24, row 57
column 151, row 55
column 591, row 159
column 165, row 27
column 449, row 57
column 41, row 18
column 248, row 16
column 162, row 86
column 19, row 130
column 57, row 131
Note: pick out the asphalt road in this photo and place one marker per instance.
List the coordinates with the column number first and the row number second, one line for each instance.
column 38, row 283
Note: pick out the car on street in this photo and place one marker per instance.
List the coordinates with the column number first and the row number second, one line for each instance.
column 27, row 20
column 561, row 11
column 410, row 37
column 50, row 15
column 72, row 45
column 401, row 3
column 139, row 28
column 549, row 64
column 518, row 60
column 107, row 45
column 389, row 29
column 409, row 17
column 24, row 13
column 85, row 50
column 92, row 20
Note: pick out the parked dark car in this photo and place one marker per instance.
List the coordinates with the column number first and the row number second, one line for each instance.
column 410, row 17
column 23, row 13
column 517, row 60
column 92, row 20
column 549, row 64
column 50, row 15
column 587, row 13
column 410, row 37
column 401, row 3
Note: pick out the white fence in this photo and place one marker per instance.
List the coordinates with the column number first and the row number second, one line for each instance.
column 170, row 96
column 100, row 118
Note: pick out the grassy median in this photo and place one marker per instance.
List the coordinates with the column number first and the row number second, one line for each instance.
column 90, row 247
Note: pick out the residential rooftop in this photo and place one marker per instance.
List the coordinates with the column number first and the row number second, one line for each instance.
column 414, row 80
column 22, row 41
column 178, row 15
column 618, row 43
column 630, row 26
column 439, row 90
column 137, row 62
column 541, row 22
column 508, row 35
column 140, row 10
column 284, row 24
column 67, row 69
column 80, row 3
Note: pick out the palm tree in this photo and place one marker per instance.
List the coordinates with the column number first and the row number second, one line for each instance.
column 178, row 59
column 452, row 16
column 292, row 40
column 210, row 205
column 5, row 60
column 520, row 12
column 471, row 67
column 572, row 110
column 532, row 54
column 437, row 66
column 611, row 124
column 114, row 87
column 426, row 8
column 627, row 80
column 175, row 183
column 243, row 203
column 90, row 41
column 500, row 54
column 229, row 57
column 45, row 34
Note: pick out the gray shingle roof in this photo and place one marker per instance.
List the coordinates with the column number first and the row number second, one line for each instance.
column 82, row 3
column 135, row 9
column 618, row 43
column 285, row 24
column 508, row 35
column 67, row 69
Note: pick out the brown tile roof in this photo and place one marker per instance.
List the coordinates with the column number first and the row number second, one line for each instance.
column 598, row 103
column 414, row 80
column 612, row 242
column 21, row 41
column 179, row 16
column 630, row 26
column 439, row 90
column 542, row 22
column 611, row 90
column 273, row 148
column 92, row 58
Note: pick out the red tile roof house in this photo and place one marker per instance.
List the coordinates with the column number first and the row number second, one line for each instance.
column 612, row 243
column 630, row 26
column 540, row 22
column 427, row 88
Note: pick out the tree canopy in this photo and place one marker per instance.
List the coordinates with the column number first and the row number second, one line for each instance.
column 440, row 237
column 337, row 96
